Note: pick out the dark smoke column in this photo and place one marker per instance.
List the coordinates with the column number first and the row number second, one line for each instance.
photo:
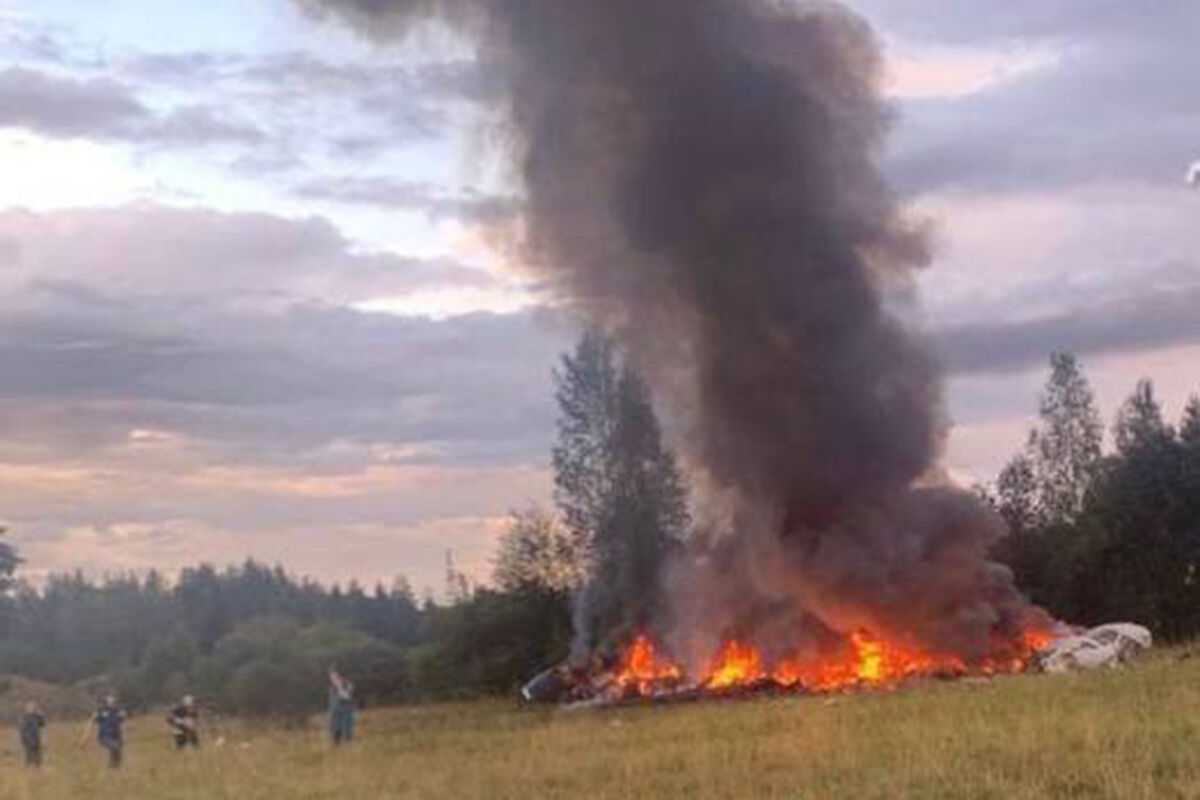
column 702, row 183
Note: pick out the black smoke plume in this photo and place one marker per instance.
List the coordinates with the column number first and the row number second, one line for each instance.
column 702, row 183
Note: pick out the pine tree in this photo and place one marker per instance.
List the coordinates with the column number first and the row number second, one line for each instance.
column 1189, row 426
column 1016, row 489
column 458, row 585
column 1140, row 423
column 1064, row 450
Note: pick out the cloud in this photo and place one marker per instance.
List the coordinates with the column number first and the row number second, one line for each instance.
column 193, row 68
column 273, row 387
column 177, row 255
column 952, row 73
column 277, row 110
column 24, row 42
column 1118, row 103
column 196, row 125
column 966, row 23
column 65, row 107
column 409, row 99
column 240, row 329
column 102, row 108
column 1146, row 321
column 397, row 194
column 183, row 384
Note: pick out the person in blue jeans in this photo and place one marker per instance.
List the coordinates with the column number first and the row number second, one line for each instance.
column 341, row 708
column 109, row 721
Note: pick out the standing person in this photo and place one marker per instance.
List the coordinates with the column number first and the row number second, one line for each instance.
column 30, row 726
column 184, row 720
column 109, row 721
column 341, row 708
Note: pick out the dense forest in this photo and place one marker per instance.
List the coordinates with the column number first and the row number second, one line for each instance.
column 1094, row 536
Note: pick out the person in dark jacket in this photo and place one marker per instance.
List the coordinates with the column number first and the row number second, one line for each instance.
column 341, row 708
column 184, row 720
column 109, row 721
column 30, row 726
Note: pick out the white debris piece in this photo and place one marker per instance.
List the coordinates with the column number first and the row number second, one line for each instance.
column 1105, row 646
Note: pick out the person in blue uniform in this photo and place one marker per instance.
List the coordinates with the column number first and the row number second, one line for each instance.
column 110, row 721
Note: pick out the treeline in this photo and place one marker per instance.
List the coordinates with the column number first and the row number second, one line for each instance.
column 224, row 634
column 1100, row 536
column 254, row 640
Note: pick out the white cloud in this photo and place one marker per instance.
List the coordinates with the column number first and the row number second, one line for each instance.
column 952, row 72
column 42, row 174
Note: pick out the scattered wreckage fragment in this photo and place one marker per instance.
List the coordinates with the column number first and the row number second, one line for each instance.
column 1105, row 646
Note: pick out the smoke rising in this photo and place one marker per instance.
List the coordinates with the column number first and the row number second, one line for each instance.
column 702, row 184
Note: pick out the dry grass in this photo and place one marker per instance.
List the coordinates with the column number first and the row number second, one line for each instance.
column 1128, row 734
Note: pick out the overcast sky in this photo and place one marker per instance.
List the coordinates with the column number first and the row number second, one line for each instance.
column 248, row 306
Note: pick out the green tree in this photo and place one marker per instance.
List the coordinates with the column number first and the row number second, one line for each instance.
column 1017, row 494
column 285, row 688
column 9, row 561
column 647, row 514
column 618, row 487
column 538, row 552
column 1064, row 450
column 1189, row 426
column 1137, row 546
column 586, row 392
column 1140, row 423
column 491, row 643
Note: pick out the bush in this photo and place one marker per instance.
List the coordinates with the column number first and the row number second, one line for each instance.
column 272, row 667
column 287, row 690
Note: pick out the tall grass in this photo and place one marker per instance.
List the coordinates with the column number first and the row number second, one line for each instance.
column 1114, row 734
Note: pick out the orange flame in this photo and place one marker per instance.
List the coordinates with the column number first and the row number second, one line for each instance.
column 735, row 665
column 866, row 661
column 642, row 669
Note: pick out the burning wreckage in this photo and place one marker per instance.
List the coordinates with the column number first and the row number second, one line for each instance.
column 700, row 183
column 643, row 673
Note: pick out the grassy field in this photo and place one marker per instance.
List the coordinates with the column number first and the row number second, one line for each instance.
column 1128, row 734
